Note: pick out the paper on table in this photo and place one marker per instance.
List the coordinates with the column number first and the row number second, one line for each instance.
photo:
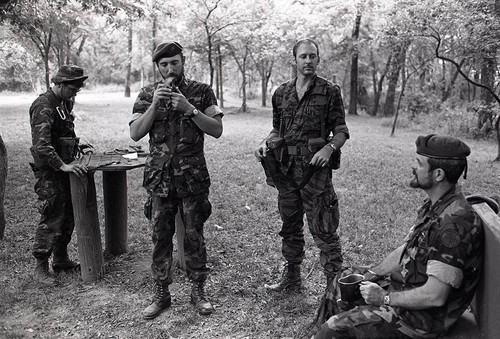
column 130, row 156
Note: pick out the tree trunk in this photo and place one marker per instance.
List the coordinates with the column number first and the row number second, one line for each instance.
column 221, row 78
column 399, row 56
column 76, row 57
column 353, row 97
column 377, row 86
column 129, row 61
column 209, row 54
column 154, row 29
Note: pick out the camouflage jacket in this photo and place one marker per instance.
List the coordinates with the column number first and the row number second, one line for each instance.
column 52, row 131
column 302, row 119
column 176, row 156
column 446, row 241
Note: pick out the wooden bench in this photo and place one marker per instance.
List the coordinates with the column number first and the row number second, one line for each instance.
column 484, row 320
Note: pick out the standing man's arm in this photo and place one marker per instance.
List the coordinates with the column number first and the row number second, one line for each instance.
column 335, row 123
column 141, row 125
column 209, row 121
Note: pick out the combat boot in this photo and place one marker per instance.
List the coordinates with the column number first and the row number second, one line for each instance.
column 61, row 262
column 290, row 280
column 42, row 274
column 161, row 301
column 198, row 298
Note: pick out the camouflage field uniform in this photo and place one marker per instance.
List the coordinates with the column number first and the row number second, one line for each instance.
column 446, row 233
column 54, row 143
column 302, row 121
column 176, row 177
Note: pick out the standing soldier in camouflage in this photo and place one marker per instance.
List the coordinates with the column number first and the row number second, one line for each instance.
column 429, row 280
column 55, row 146
column 176, row 112
column 306, row 111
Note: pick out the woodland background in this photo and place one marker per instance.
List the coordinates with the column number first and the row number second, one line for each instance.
column 405, row 59
column 406, row 68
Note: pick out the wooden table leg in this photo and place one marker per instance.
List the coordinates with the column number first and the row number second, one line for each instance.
column 88, row 233
column 115, row 209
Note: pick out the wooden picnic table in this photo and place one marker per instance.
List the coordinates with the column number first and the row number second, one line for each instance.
column 114, row 169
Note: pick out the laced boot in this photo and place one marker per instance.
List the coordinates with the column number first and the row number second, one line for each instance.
column 61, row 262
column 42, row 274
column 199, row 299
column 161, row 300
column 290, row 280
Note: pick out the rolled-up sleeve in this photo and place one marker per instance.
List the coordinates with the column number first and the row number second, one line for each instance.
column 336, row 113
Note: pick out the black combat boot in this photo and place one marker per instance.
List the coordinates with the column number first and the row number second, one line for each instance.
column 61, row 262
column 42, row 274
column 161, row 301
column 290, row 280
column 199, row 300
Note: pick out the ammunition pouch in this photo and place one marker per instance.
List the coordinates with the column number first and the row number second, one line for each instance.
column 68, row 149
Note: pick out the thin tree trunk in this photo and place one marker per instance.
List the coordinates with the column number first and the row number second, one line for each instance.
column 221, row 78
column 353, row 96
column 393, row 77
column 129, row 61
column 154, row 29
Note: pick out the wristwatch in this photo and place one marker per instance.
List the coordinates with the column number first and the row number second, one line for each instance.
column 387, row 299
column 194, row 113
column 333, row 147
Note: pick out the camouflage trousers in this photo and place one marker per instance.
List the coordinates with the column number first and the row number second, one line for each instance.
column 57, row 223
column 194, row 211
column 318, row 200
column 337, row 319
column 366, row 321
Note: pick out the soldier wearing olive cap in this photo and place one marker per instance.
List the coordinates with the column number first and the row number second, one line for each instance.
column 429, row 281
column 176, row 113
column 55, row 146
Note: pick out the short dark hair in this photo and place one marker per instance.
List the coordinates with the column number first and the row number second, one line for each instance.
column 304, row 41
column 453, row 168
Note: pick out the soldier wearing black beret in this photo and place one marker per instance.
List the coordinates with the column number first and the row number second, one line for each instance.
column 177, row 113
column 433, row 275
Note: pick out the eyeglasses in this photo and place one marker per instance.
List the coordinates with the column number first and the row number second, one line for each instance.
column 73, row 89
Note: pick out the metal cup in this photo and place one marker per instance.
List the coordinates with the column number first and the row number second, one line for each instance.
column 349, row 287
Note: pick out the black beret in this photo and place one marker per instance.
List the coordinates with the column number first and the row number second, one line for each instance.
column 166, row 50
column 70, row 73
column 442, row 147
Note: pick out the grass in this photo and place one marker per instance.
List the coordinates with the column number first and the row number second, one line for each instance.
column 376, row 205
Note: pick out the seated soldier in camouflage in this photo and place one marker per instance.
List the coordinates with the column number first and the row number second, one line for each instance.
column 430, row 279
